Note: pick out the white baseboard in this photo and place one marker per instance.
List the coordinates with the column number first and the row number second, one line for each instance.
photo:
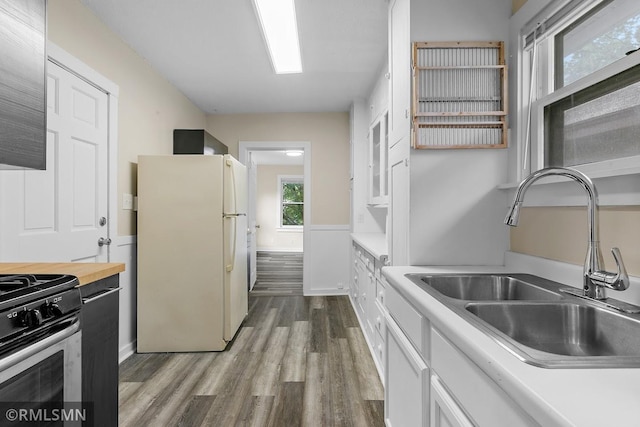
column 325, row 292
column 292, row 250
column 126, row 351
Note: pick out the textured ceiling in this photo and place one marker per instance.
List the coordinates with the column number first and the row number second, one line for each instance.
column 213, row 51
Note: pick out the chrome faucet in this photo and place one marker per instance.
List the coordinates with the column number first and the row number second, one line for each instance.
column 595, row 280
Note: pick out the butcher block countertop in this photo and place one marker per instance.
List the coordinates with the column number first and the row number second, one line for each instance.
column 85, row 272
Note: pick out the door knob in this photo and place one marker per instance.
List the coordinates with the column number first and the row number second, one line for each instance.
column 102, row 241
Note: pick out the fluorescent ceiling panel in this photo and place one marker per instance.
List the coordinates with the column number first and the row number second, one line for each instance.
column 278, row 21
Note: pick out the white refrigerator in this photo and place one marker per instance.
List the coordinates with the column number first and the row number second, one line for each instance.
column 192, row 252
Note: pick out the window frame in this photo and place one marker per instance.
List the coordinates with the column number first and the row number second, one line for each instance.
column 544, row 93
column 285, row 179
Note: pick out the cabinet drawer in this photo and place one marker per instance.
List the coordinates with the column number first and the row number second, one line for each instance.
column 408, row 318
column 467, row 383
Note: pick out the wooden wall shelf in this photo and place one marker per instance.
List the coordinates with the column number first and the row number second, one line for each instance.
column 459, row 95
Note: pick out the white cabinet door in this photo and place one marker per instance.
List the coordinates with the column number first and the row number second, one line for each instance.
column 400, row 69
column 378, row 161
column 406, row 394
column 445, row 412
column 399, row 179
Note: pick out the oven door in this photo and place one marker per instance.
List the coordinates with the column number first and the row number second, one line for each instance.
column 40, row 384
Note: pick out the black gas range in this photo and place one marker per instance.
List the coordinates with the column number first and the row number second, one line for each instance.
column 32, row 305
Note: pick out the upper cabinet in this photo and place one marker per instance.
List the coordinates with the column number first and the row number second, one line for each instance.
column 378, row 165
column 400, row 70
column 22, row 84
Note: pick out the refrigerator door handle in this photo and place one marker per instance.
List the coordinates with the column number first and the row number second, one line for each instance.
column 230, row 165
column 230, row 266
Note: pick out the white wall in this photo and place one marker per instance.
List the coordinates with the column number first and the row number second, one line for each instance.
column 456, row 210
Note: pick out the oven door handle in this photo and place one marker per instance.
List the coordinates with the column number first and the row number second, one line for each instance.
column 38, row 346
column 100, row 295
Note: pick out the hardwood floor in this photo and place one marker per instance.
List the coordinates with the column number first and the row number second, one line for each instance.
column 278, row 273
column 296, row 361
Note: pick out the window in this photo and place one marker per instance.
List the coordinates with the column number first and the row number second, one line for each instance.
column 580, row 61
column 291, row 201
column 598, row 38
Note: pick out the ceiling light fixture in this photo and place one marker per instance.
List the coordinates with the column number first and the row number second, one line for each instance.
column 278, row 21
column 294, row 153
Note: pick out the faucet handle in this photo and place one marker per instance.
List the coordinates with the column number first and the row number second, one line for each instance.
column 620, row 281
column 617, row 281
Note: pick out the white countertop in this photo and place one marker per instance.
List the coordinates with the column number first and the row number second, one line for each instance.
column 553, row 397
column 374, row 243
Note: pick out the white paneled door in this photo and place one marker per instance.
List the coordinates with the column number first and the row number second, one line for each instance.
column 252, row 172
column 59, row 214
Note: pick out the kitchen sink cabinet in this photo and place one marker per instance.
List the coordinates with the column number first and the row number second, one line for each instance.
column 466, row 382
column 99, row 317
column 430, row 382
column 406, row 393
column 444, row 409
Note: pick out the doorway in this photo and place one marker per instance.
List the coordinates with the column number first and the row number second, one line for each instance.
column 279, row 208
column 64, row 212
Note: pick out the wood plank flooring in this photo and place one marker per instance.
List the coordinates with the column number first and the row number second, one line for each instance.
column 296, row 361
column 278, row 273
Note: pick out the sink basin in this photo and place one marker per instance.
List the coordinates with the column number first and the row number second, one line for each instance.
column 539, row 321
column 485, row 287
column 567, row 329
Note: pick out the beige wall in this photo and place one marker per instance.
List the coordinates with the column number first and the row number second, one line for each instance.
column 149, row 106
column 269, row 236
column 328, row 134
column 517, row 4
column 560, row 233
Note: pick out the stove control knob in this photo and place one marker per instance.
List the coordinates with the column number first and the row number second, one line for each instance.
column 50, row 309
column 31, row 318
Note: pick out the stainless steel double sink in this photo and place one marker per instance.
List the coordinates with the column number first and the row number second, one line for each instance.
column 537, row 321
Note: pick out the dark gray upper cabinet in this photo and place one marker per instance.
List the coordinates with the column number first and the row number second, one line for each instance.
column 23, row 108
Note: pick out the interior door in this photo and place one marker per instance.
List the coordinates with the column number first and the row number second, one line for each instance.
column 60, row 213
column 252, row 172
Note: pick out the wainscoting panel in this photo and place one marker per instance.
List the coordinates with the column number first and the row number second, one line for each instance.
column 327, row 260
column 125, row 250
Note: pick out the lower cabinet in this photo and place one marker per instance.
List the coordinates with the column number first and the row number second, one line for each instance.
column 430, row 382
column 445, row 412
column 466, row 382
column 367, row 296
column 406, row 382
column 99, row 317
